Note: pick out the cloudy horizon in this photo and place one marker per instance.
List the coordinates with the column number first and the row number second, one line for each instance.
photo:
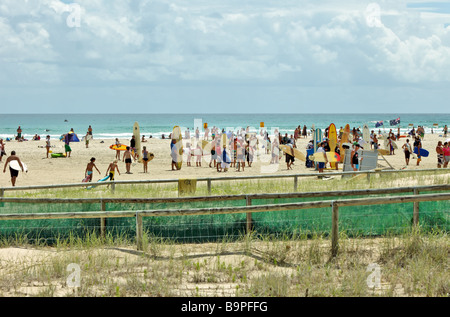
column 214, row 57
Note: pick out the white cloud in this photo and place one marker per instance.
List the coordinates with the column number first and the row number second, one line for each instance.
column 296, row 43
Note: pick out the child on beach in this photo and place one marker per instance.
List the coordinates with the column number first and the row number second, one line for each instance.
column 127, row 158
column 86, row 139
column 112, row 169
column 89, row 169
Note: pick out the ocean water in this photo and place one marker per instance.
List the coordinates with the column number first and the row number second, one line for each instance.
column 110, row 126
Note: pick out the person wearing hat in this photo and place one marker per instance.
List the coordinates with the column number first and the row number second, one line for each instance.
column 354, row 160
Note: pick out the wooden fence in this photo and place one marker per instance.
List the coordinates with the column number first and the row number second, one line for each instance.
column 209, row 180
column 248, row 209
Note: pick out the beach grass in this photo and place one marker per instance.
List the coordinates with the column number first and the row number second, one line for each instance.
column 410, row 264
column 237, row 187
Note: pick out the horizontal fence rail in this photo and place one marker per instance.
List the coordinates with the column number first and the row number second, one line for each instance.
column 334, row 204
column 209, row 180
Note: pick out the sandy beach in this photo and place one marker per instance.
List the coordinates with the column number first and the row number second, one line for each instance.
column 42, row 170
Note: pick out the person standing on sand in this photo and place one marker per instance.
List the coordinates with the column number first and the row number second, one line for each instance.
column 133, row 146
column 14, row 173
column 19, row 134
column 47, row 144
column 418, row 145
column 89, row 132
column 117, row 151
column 321, row 149
column 445, row 131
column 174, row 154
column 86, row 140
column 355, row 157
column 112, row 169
column 89, row 169
column 213, row 152
column 440, row 154
column 127, row 159
column 145, row 159
column 67, row 148
column 2, row 149
column 407, row 149
column 446, row 150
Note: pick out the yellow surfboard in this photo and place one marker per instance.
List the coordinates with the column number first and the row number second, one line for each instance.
column 344, row 139
column 332, row 140
column 297, row 154
column 176, row 134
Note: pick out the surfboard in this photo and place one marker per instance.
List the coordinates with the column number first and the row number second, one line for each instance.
column 137, row 138
column 317, row 138
column 366, row 133
column 15, row 166
column 100, row 180
column 332, row 157
column 423, row 152
column 297, row 154
column 176, row 134
column 332, row 136
column 56, row 155
column 344, row 139
column 206, row 146
column 386, row 145
column 119, row 147
column 332, row 139
column 384, row 152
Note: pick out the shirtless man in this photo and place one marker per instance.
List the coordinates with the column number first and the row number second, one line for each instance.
column 127, row 158
column 14, row 173
column 89, row 169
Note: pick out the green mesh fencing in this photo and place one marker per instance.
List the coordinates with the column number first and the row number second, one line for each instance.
column 356, row 220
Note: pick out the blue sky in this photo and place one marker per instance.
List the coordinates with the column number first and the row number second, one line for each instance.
column 233, row 56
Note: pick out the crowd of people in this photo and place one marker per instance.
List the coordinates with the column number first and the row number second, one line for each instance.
column 238, row 149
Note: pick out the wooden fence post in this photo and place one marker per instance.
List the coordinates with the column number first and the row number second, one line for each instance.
column 248, row 202
column 103, row 221
column 416, row 209
column 208, row 182
column 295, row 183
column 334, row 229
column 139, row 232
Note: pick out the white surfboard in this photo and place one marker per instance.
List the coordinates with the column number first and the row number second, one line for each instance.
column 137, row 138
column 15, row 166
